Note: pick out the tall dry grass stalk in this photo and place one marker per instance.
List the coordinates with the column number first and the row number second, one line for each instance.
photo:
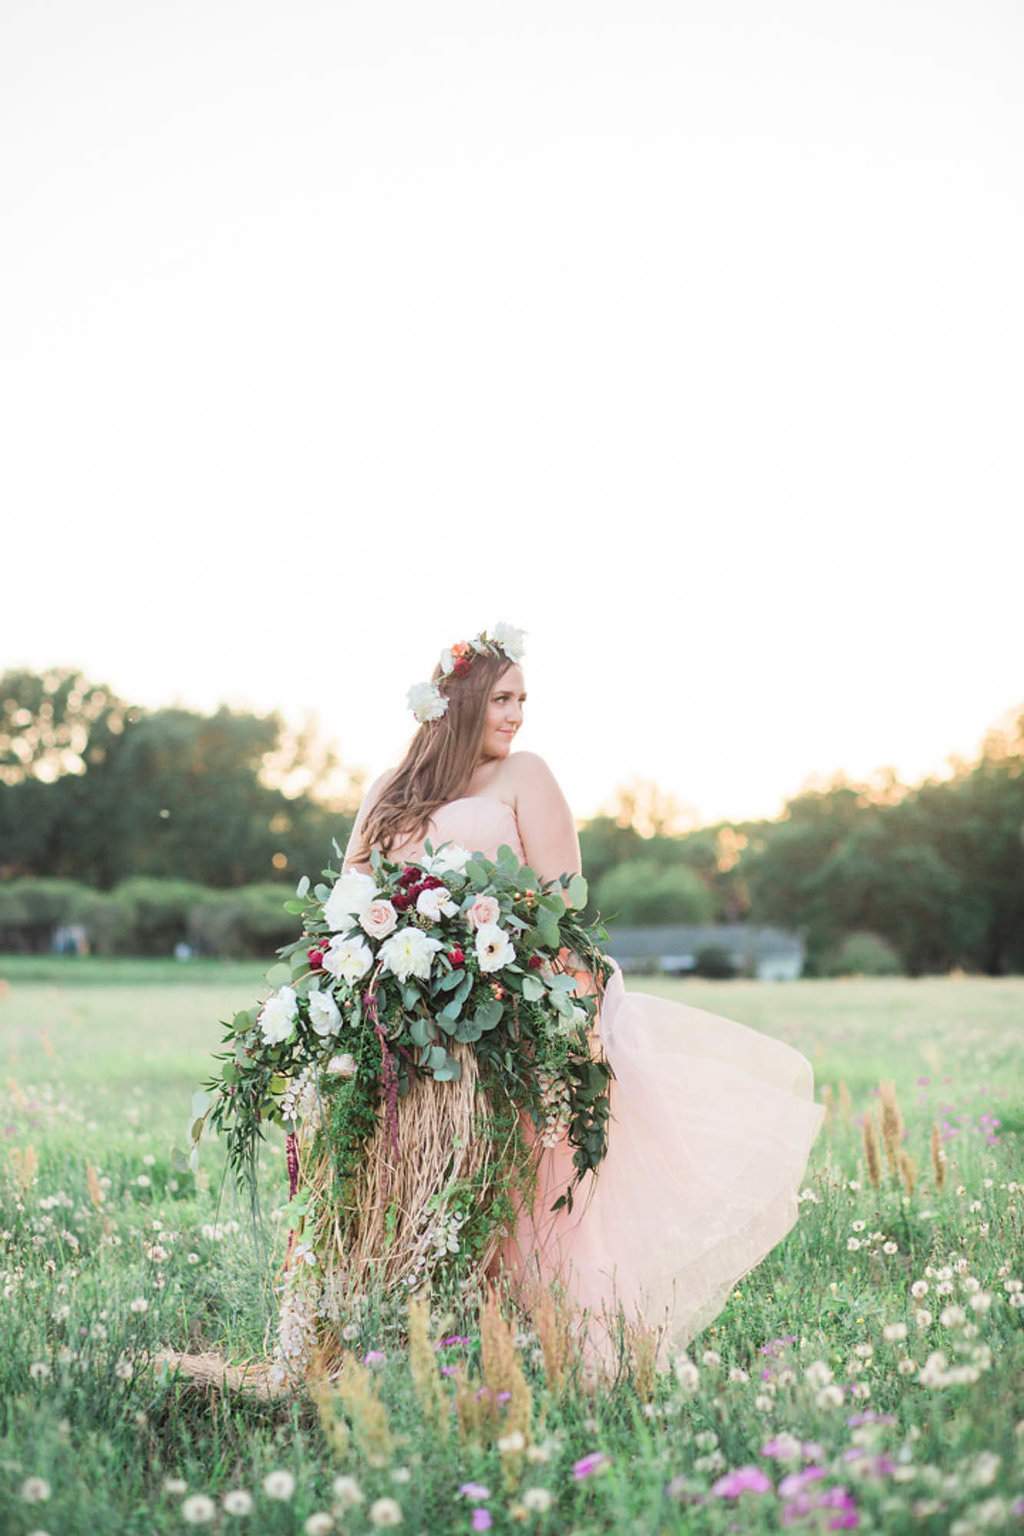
column 938, row 1156
column 643, row 1342
column 908, row 1172
column 370, row 1426
column 828, row 1098
column 502, row 1370
column 426, row 1378
column 872, row 1152
column 891, row 1124
column 25, row 1165
column 326, row 1400
column 555, row 1325
column 845, row 1104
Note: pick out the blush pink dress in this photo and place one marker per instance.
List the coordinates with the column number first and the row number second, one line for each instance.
column 712, row 1126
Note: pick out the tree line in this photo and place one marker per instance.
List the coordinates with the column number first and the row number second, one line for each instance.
column 111, row 799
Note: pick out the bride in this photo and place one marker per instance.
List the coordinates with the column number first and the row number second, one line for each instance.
column 712, row 1122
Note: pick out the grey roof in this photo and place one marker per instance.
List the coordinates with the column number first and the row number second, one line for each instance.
column 688, row 939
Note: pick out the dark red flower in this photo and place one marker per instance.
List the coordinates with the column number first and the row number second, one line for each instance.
column 462, row 666
column 401, row 900
column 409, row 875
column 430, row 883
column 456, row 957
column 315, row 958
column 535, row 962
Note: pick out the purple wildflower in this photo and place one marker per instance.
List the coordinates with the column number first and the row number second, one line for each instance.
column 475, row 1491
column 481, row 1520
column 594, row 1462
column 743, row 1480
column 795, row 1482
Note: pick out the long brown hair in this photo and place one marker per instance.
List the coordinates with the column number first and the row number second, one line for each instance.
column 439, row 761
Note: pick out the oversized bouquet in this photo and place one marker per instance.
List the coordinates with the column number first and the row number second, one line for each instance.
column 458, row 971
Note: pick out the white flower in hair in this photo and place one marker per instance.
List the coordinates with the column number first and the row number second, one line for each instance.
column 511, row 640
column 427, row 702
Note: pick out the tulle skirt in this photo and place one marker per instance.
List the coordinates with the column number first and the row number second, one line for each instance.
column 712, row 1126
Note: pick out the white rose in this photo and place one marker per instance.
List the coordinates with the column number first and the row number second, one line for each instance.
column 493, row 947
column 450, row 859
column 379, row 919
column 511, row 640
column 342, row 1066
column 324, row 1013
column 349, row 899
column 277, row 1016
column 436, row 903
column 409, row 952
column 427, row 702
column 348, row 959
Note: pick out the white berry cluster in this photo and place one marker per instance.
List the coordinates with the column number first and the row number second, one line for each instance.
column 554, row 1096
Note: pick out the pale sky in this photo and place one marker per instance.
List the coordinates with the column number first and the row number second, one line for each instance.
column 685, row 336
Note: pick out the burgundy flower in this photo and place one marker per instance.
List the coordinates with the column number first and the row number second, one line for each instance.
column 456, row 956
column 410, row 874
column 315, row 958
column 401, row 900
column 462, row 667
column 535, row 962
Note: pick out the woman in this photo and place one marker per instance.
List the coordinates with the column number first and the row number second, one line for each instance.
column 712, row 1122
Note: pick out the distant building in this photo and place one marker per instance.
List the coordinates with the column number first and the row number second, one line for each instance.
column 769, row 954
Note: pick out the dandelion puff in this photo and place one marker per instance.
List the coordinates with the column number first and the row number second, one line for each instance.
column 385, row 1512
column 198, row 1509
column 237, row 1502
column 35, row 1490
column 319, row 1524
column 39, row 1370
column 536, row 1500
column 175, row 1485
column 279, row 1485
column 347, row 1491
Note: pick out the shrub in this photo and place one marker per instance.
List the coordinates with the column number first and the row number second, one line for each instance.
column 863, row 954
column 641, row 894
column 715, row 962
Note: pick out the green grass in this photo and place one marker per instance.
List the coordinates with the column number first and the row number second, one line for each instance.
column 99, row 1062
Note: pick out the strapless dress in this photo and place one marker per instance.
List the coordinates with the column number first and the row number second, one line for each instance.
column 711, row 1130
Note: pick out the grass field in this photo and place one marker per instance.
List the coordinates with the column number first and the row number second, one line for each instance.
column 869, row 1374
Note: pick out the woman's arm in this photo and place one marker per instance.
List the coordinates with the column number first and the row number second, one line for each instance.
column 546, row 823
column 355, row 840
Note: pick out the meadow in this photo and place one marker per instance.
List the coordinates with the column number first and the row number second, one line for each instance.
column 868, row 1375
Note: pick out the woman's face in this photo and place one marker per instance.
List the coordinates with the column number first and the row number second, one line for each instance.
column 504, row 713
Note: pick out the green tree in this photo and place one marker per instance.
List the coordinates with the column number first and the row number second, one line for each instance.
column 640, row 893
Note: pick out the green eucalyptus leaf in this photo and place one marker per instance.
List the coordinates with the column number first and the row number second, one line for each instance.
column 179, row 1160
column 578, row 891
column 279, row 975
column 489, row 1014
column 419, row 1031
column 201, row 1101
column 451, row 1009
column 561, row 982
column 533, row 988
column 302, row 889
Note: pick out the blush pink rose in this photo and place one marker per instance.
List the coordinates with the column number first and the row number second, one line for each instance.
column 484, row 910
column 379, row 919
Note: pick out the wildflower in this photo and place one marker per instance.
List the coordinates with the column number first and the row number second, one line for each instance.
column 237, row 1502
column 319, row 1524
column 509, row 1444
column 748, row 1479
column 401, row 1475
column 795, row 1482
column 890, row 1247
column 830, row 1396
column 35, row 1490
column 474, row 1491
column 140, row 1304
column 852, row 1244
column 980, row 1301
column 922, row 1317
column 536, row 1500
column 279, row 1485
column 858, row 1226
column 737, row 1373
column 385, row 1512
column 347, row 1491
column 711, row 1358
column 687, row 1375
column 124, row 1370
column 481, row 1519
column 919, row 1289
column 538, row 1453
column 891, row 1332
column 350, row 1332
column 175, row 1485
column 39, row 1370
column 705, row 1440
column 144, row 1181
column 198, row 1509
column 375, row 1357
column 596, row 1461
column 906, row 1366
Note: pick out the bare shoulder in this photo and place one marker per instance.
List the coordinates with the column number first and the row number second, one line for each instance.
column 529, row 774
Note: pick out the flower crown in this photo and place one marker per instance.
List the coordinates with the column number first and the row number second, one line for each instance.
column 426, row 700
